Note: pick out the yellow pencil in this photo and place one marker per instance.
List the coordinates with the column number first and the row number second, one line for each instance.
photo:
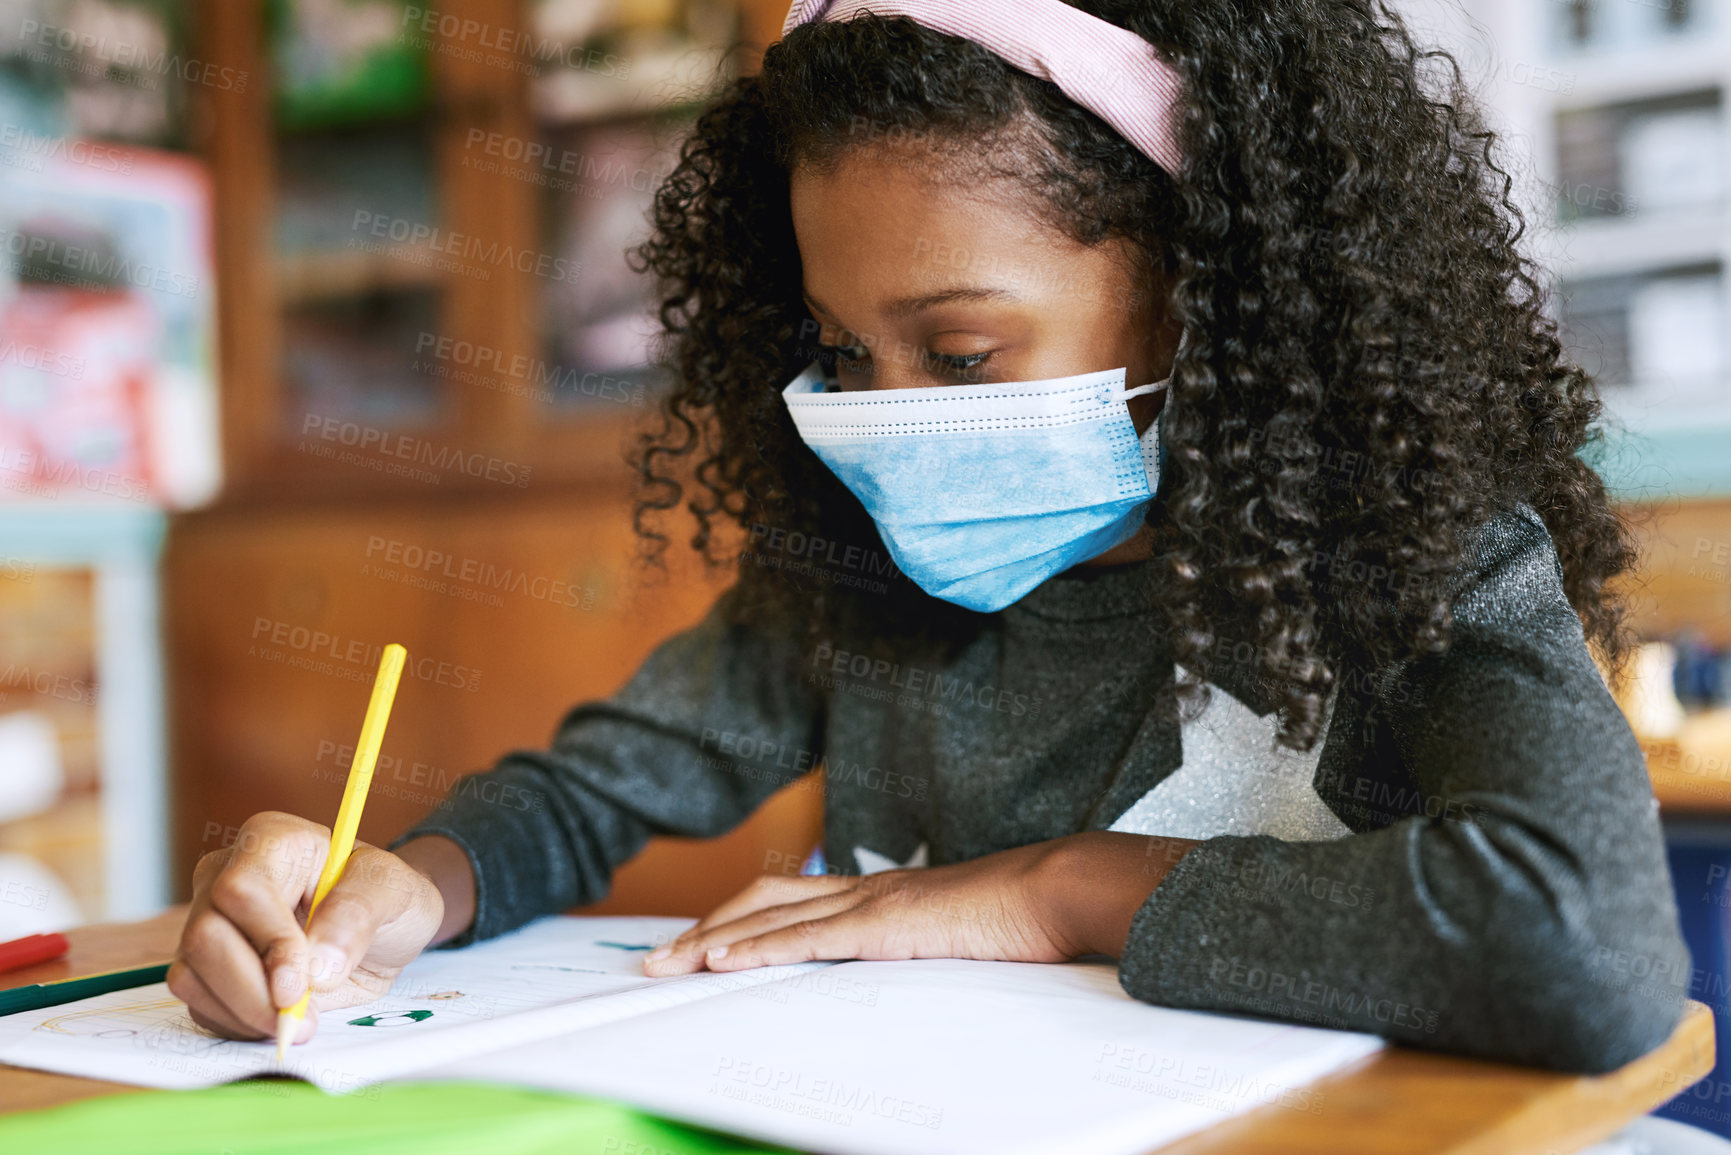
column 348, row 814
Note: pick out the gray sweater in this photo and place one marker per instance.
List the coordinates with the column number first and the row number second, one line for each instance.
column 1471, row 860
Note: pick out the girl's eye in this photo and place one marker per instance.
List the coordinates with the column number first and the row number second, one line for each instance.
column 957, row 363
column 846, row 353
column 854, row 357
column 839, row 359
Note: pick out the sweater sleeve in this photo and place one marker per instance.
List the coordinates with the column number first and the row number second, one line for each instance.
column 1519, row 908
column 714, row 721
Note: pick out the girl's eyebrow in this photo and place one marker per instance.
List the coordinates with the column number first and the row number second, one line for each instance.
column 906, row 306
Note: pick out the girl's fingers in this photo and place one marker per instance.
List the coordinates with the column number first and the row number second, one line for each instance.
column 696, row 948
column 772, row 890
column 767, row 891
column 217, row 1026
column 205, row 1008
column 228, row 968
column 210, row 1012
column 368, row 894
column 844, row 934
column 259, row 888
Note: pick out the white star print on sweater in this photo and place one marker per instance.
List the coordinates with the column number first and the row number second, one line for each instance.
column 1235, row 780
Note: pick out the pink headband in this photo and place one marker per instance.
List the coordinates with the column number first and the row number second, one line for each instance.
column 1110, row 71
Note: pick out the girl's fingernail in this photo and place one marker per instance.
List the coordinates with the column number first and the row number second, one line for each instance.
column 718, row 952
column 659, row 954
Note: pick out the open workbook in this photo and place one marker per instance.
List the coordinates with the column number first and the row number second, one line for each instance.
column 948, row 1056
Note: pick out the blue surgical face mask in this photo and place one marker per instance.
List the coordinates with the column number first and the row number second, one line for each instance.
column 982, row 492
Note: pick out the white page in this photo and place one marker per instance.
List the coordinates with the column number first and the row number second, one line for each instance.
column 937, row 1057
column 551, row 977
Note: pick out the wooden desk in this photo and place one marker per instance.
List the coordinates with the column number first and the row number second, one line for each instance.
column 1403, row 1101
column 1691, row 771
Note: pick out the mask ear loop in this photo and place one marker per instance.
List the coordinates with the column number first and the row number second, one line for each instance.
column 1154, row 456
column 1157, row 430
column 1151, row 387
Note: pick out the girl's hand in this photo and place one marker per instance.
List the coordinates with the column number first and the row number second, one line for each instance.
column 1048, row 902
column 243, row 953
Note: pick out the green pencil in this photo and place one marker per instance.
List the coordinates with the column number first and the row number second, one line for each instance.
column 39, row 995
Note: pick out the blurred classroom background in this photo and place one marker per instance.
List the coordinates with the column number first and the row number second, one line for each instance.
column 316, row 332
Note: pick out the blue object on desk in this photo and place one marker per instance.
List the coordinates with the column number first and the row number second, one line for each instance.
column 1700, row 857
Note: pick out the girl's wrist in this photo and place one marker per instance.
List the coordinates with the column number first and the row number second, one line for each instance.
column 1091, row 885
column 446, row 865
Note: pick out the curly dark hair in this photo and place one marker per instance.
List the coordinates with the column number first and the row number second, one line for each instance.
column 1368, row 373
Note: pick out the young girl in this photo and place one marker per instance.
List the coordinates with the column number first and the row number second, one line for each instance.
column 1167, row 528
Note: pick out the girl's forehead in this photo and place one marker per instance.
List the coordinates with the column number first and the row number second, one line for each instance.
column 875, row 232
column 995, row 166
column 866, row 210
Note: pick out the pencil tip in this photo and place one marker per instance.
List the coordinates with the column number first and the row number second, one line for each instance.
column 285, row 1033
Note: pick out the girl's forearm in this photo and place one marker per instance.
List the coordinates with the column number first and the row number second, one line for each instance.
column 448, row 868
column 1091, row 884
column 1095, row 882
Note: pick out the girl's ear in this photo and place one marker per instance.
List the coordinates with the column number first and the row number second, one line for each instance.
column 1147, row 300
column 1163, row 334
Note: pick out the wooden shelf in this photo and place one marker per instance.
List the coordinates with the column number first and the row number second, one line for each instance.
column 659, row 81
column 498, row 308
column 303, row 278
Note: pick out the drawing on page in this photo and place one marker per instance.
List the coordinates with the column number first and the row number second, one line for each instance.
column 123, row 1020
column 537, row 981
column 156, row 1024
column 558, row 967
column 391, row 1019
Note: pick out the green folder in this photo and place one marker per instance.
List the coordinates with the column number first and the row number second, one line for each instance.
column 288, row 1117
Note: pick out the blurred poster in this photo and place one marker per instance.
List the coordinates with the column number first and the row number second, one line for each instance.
column 600, row 328
column 107, row 388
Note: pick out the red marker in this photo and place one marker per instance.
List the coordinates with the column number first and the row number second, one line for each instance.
column 32, row 948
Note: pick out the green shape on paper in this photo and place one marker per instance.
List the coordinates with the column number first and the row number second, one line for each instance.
column 288, row 1117
column 391, row 1019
